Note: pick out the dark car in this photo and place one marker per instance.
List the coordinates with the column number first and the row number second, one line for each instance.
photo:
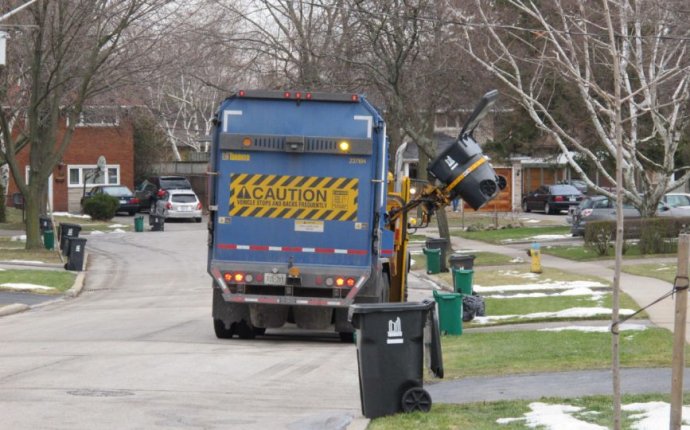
column 598, row 208
column 155, row 187
column 552, row 198
column 128, row 203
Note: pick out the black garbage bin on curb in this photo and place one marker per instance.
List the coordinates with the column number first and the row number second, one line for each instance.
column 442, row 244
column 391, row 341
column 157, row 222
column 67, row 231
column 77, row 248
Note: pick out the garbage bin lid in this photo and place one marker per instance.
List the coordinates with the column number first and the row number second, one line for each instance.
column 366, row 308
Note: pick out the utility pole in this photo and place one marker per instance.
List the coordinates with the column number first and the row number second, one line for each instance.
column 678, row 362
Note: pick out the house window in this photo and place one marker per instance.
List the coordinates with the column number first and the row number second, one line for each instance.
column 86, row 174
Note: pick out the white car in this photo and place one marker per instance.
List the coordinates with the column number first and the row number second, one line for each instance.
column 179, row 204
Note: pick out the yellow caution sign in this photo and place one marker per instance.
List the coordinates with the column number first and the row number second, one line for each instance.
column 303, row 197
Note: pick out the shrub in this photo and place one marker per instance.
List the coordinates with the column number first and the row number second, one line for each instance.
column 598, row 236
column 101, row 207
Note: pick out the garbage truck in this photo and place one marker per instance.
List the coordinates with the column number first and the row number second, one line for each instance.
column 306, row 217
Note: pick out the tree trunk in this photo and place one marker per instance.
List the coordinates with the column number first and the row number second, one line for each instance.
column 32, row 208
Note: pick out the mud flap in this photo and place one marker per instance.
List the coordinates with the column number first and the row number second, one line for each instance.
column 268, row 316
column 313, row 318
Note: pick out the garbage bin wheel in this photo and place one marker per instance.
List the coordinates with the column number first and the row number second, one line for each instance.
column 131, row 212
column 221, row 331
column 346, row 337
column 197, row 219
column 416, row 399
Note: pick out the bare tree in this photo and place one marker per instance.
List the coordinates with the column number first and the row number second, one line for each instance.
column 73, row 52
column 536, row 51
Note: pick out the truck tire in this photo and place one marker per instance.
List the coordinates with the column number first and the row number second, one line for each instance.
column 246, row 330
column 221, row 331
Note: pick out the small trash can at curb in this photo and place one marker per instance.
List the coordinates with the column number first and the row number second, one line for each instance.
column 45, row 223
column 442, row 244
column 462, row 280
column 449, row 312
column 461, row 261
column 67, row 231
column 156, row 222
column 76, row 254
column 139, row 224
column 49, row 239
column 433, row 260
column 391, row 341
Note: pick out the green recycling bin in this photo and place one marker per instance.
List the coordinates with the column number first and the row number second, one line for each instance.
column 462, row 280
column 139, row 224
column 433, row 260
column 450, row 312
column 49, row 239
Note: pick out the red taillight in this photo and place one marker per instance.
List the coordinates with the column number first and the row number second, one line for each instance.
column 160, row 193
column 298, row 95
column 286, row 94
column 259, row 277
column 318, row 280
column 558, row 199
column 350, row 282
column 239, row 277
column 236, row 278
column 354, row 97
column 134, row 201
column 308, row 96
column 227, row 277
column 198, row 206
column 242, row 93
column 339, row 281
column 168, row 205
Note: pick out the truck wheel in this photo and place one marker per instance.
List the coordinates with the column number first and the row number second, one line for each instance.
column 221, row 331
column 416, row 399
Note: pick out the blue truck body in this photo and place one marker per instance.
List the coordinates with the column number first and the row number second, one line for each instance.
column 298, row 186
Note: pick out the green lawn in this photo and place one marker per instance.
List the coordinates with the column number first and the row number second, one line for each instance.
column 511, row 234
column 664, row 271
column 582, row 253
column 528, row 305
column 483, row 415
column 60, row 280
column 504, row 353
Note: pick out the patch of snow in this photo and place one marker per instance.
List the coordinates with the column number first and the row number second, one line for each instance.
column 116, row 225
column 118, row 230
column 19, row 286
column 69, row 215
column 96, row 232
column 553, row 417
column 653, row 415
column 530, row 221
column 579, row 291
column 565, row 313
column 21, row 238
column 26, row 261
column 605, row 329
column 560, row 285
column 517, row 260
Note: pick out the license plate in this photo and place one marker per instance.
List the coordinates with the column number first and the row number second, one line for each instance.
column 275, row 278
column 185, row 209
column 572, row 199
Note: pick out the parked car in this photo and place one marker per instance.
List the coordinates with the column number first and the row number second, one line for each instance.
column 601, row 208
column 598, row 208
column 179, row 204
column 675, row 200
column 552, row 198
column 128, row 203
column 154, row 187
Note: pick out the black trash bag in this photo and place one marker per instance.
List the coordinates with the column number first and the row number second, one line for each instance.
column 472, row 306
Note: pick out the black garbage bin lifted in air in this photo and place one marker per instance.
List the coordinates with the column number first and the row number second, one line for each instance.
column 391, row 338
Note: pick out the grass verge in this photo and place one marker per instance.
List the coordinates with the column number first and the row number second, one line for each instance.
column 664, row 271
column 504, row 353
column 60, row 280
column 582, row 253
column 508, row 235
column 483, row 416
column 528, row 305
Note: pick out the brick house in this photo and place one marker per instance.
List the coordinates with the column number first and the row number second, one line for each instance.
column 103, row 131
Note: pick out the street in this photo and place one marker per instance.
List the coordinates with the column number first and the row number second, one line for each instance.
column 137, row 350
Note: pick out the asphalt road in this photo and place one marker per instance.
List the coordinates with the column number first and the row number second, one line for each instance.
column 137, row 350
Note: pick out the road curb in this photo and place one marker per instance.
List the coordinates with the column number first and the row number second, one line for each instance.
column 14, row 308
column 78, row 285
